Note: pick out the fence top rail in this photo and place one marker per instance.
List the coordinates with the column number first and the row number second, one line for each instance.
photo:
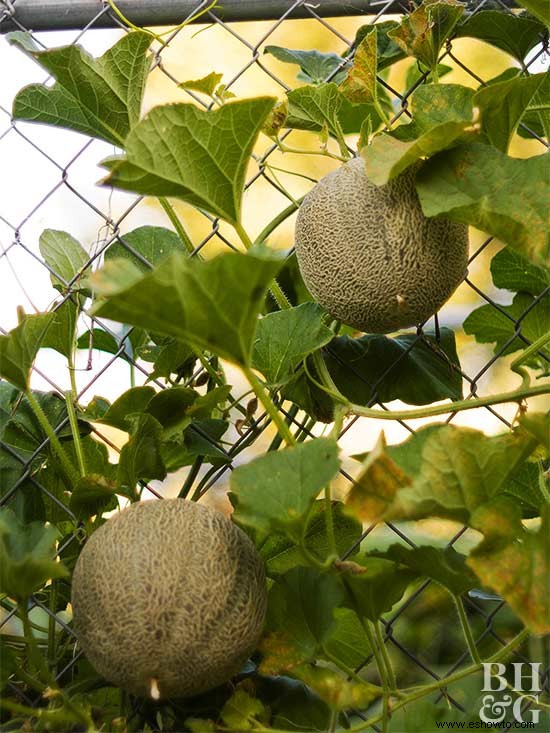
column 40, row 15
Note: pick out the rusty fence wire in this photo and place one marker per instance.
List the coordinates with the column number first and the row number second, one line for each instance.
column 52, row 171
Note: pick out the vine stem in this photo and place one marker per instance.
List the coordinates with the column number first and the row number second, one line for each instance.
column 515, row 396
column 269, row 406
column 176, row 223
column 71, row 475
column 385, row 656
column 275, row 289
column 75, row 432
column 304, row 151
column 466, row 630
column 276, row 221
column 35, row 655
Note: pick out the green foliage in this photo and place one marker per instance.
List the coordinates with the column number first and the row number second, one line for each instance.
column 202, row 168
column 530, row 308
column 479, row 185
column 416, row 371
column 187, row 317
column 26, row 556
column 98, row 97
column 211, row 305
column 290, row 480
column 443, row 112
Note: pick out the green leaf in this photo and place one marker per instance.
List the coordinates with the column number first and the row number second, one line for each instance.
column 538, row 8
column 153, row 244
column 454, row 471
column 276, row 490
column 347, row 641
column 300, row 618
column 376, row 585
column 478, row 185
column 66, row 257
column 441, row 115
column 206, row 84
column 519, row 572
column 171, row 408
column 92, row 495
column 242, row 712
column 513, row 34
column 97, row 97
column 524, row 484
column 280, row 554
column 315, row 67
column 511, row 271
column 360, row 84
column 423, row 32
column 491, row 325
column 200, row 439
column 387, row 51
column 26, row 553
column 61, row 332
column 18, row 348
column 306, row 394
column 205, row 154
column 285, row 338
column 315, row 107
column 140, row 457
column 211, row 305
column 416, row 72
column 134, row 400
column 502, row 105
column 416, row 371
column 444, row 565
column 338, row 692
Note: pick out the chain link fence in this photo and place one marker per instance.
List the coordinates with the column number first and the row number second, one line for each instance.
column 45, row 181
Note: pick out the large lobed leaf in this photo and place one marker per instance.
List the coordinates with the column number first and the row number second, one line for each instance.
column 516, row 35
column 285, row 338
column 277, row 490
column 18, row 348
column 97, row 97
column 441, row 115
column 415, row 370
column 26, row 556
column 201, row 157
column 479, row 185
column 212, row 305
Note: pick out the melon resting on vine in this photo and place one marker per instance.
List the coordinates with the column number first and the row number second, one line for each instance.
column 369, row 255
column 168, row 598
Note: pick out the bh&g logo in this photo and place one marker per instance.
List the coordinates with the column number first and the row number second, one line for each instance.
column 493, row 708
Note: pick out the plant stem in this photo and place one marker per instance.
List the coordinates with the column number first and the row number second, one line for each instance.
column 385, row 656
column 445, row 682
column 75, row 432
column 466, row 630
column 71, row 475
column 275, row 289
column 274, row 223
column 35, row 655
column 329, row 522
column 176, row 223
column 190, row 478
column 515, row 396
column 303, row 151
column 263, row 396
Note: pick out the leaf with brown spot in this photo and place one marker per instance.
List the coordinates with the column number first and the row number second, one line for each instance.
column 359, row 86
column 520, row 573
column 300, row 618
column 337, row 692
column 377, row 485
column 423, row 32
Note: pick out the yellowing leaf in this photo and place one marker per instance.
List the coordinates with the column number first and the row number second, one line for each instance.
column 359, row 86
column 375, row 488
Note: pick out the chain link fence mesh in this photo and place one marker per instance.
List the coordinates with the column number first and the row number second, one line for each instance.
column 46, row 180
